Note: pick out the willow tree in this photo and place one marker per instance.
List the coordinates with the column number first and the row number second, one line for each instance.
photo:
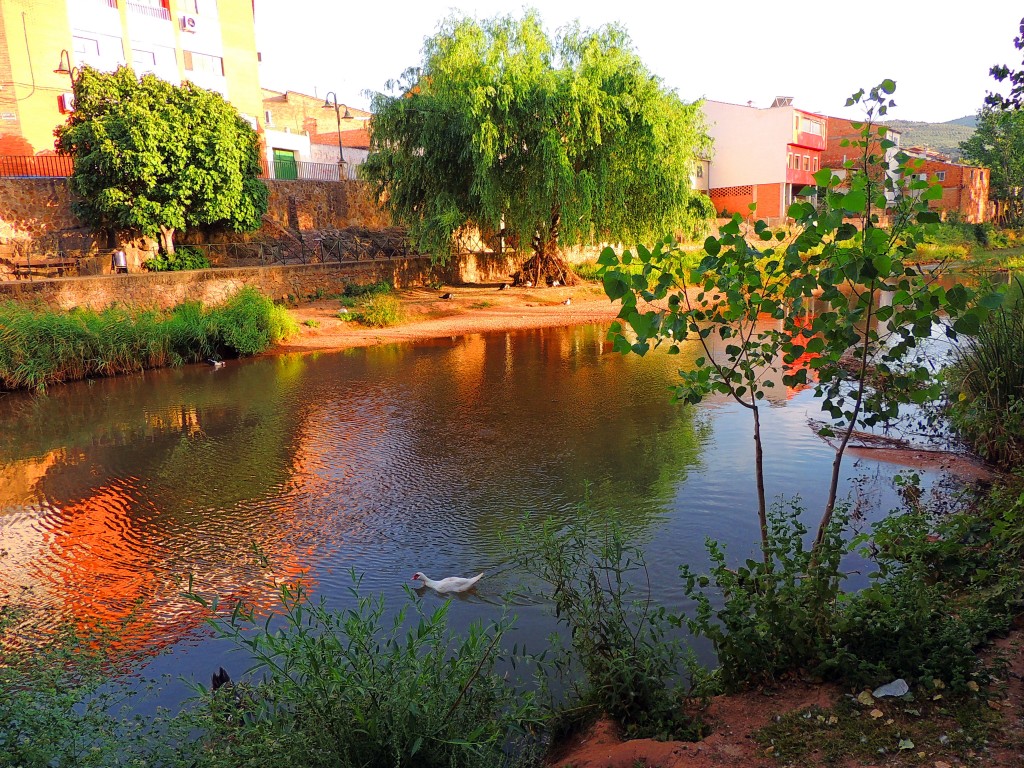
column 550, row 142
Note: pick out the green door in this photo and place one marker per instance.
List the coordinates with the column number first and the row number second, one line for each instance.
column 285, row 166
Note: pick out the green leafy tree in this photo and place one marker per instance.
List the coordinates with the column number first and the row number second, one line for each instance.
column 1015, row 78
column 549, row 142
column 998, row 144
column 158, row 158
column 838, row 303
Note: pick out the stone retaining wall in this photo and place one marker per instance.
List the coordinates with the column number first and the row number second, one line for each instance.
column 162, row 290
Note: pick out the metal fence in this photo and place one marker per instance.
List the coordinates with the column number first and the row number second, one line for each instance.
column 60, row 166
column 44, row 166
column 350, row 245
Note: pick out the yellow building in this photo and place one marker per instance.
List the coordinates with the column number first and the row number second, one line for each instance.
column 211, row 43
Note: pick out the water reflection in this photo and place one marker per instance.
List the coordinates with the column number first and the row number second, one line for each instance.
column 385, row 459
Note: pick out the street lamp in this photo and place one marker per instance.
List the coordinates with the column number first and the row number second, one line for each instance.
column 65, row 68
column 332, row 101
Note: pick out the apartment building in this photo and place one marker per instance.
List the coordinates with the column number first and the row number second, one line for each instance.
column 211, row 43
column 761, row 155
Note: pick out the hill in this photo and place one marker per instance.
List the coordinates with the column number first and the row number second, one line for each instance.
column 942, row 137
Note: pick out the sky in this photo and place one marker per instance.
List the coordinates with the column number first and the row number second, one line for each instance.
column 938, row 51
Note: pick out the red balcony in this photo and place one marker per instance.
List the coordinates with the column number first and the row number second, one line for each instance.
column 809, row 140
column 799, row 178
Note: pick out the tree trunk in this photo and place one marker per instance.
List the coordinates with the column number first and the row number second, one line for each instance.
column 762, row 504
column 167, row 240
column 546, row 266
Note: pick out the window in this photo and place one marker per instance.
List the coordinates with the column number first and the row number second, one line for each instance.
column 940, row 175
column 807, row 162
column 812, row 126
column 85, row 47
column 143, row 61
column 700, row 169
column 203, row 62
column 267, row 118
column 789, row 159
column 814, row 164
column 796, row 122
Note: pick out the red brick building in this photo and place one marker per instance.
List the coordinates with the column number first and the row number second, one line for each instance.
column 762, row 156
column 964, row 187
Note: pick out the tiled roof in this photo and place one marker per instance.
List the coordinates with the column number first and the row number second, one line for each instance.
column 357, row 139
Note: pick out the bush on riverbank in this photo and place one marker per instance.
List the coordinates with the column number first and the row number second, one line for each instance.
column 355, row 688
column 987, row 379
column 40, row 347
column 625, row 660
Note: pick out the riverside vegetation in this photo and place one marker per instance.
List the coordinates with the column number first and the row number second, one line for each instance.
column 40, row 347
column 336, row 688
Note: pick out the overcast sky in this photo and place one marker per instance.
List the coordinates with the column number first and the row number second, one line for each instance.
column 937, row 51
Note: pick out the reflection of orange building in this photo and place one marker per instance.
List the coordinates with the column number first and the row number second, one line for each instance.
column 101, row 566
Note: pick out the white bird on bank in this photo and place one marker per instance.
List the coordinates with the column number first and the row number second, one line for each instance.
column 451, row 584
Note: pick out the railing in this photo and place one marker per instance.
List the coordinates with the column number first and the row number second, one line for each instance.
column 29, row 261
column 301, row 170
column 40, row 166
column 351, row 245
column 57, row 166
column 148, row 10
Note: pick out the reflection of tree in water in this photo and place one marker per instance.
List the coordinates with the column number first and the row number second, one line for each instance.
column 523, row 422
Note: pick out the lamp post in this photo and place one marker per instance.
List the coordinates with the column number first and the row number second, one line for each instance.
column 66, row 102
column 332, row 101
column 65, row 68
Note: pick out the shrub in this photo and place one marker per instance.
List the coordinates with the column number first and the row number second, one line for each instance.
column 248, row 323
column 380, row 311
column 627, row 649
column 352, row 688
column 987, row 379
column 184, row 257
column 776, row 616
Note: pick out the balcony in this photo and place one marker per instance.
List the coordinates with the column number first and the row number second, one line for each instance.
column 799, row 177
column 808, row 140
column 152, row 12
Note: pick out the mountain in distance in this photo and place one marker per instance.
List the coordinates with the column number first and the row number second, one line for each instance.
column 942, row 137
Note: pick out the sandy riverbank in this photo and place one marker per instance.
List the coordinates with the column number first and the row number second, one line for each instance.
column 473, row 309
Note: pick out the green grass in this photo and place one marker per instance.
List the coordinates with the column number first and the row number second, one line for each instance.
column 380, row 311
column 40, row 347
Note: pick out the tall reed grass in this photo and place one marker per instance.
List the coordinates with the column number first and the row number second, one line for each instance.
column 988, row 377
column 40, row 347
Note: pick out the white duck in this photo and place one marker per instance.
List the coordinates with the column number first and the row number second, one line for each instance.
column 451, row 584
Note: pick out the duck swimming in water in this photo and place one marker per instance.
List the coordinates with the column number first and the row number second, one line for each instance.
column 450, row 584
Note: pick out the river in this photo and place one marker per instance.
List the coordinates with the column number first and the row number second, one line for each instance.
column 385, row 460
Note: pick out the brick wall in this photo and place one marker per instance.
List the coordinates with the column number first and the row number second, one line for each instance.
column 964, row 188
column 730, row 200
column 36, row 214
column 165, row 289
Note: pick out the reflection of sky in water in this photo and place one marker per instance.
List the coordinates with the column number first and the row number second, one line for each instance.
column 387, row 460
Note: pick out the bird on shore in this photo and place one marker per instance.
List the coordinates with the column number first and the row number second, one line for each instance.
column 215, row 363
column 568, row 301
column 555, row 283
column 450, row 584
column 504, row 287
column 528, row 283
column 447, row 296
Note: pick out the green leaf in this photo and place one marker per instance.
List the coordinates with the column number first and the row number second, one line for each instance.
column 889, row 86
column 712, row 247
